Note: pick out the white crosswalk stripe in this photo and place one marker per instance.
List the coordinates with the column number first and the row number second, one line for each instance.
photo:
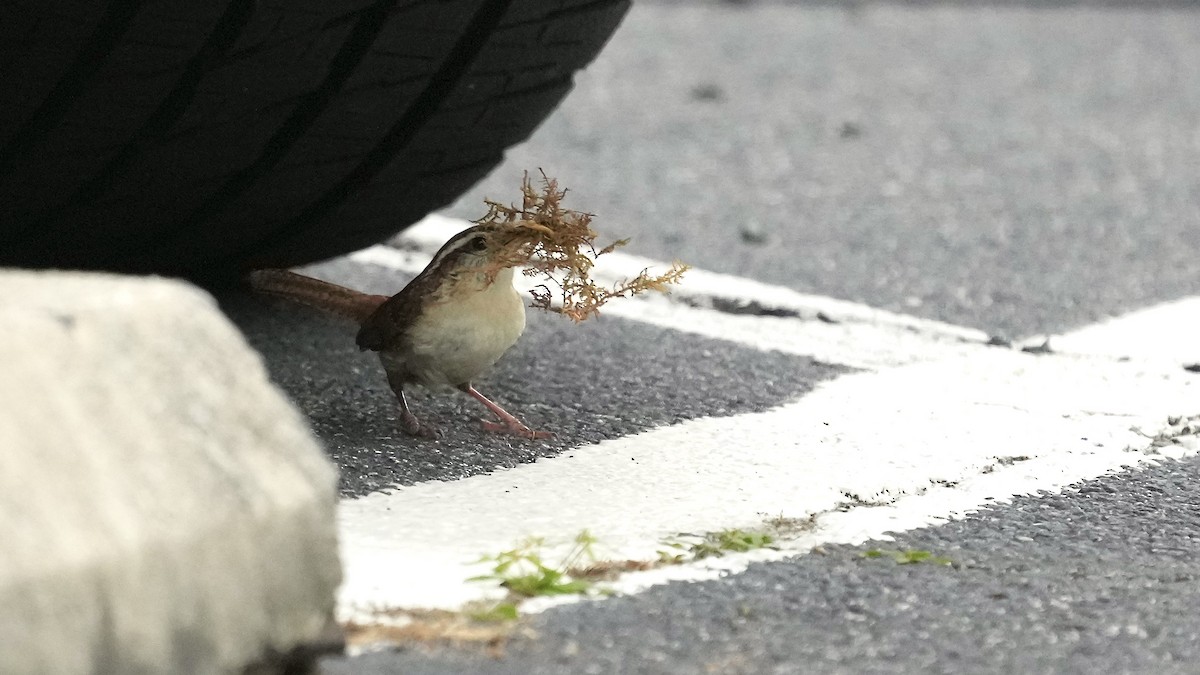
column 936, row 424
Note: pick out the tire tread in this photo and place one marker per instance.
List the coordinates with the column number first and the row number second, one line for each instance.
column 268, row 132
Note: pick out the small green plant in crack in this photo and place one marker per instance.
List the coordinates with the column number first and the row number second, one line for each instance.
column 688, row 547
column 524, row 572
column 907, row 557
column 498, row 612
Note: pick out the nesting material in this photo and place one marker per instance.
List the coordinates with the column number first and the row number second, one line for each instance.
column 558, row 246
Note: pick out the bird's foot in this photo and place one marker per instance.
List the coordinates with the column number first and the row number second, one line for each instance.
column 414, row 427
column 516, row 430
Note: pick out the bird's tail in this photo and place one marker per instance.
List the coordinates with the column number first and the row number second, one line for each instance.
column 322, row 295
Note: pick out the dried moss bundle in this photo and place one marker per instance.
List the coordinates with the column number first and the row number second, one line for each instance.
column 558, row 245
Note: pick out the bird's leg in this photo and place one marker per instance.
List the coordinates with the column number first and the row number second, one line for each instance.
column 408, row 421
column 508, row 423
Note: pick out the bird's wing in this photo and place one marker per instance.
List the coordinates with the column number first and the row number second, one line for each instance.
column 385, row 329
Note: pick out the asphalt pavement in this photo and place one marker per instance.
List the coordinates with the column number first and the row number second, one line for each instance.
column 1012, row 168
column 1016, row 169
column 1103, row 579
column 586, row 383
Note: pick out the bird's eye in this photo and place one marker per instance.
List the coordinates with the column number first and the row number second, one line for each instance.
column 478, row 244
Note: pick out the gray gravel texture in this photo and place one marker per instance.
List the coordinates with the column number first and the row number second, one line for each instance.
column 1101, row 579
column 1014, row 169
column 603, row 378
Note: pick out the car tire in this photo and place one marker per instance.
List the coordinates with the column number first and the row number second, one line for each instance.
column 207, row 138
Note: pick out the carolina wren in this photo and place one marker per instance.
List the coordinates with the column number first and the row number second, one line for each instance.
column 446, row 327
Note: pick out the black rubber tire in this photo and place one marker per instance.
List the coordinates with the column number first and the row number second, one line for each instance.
column 207, row 138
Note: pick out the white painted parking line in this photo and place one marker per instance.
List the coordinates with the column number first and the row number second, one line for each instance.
column 936, row 426
column 1168, row 332
column 434, row 230
column 846, row 333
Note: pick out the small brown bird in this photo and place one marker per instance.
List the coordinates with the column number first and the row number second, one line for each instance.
column 446, row 327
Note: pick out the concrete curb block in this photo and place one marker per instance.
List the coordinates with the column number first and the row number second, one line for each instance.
column 162, row 507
